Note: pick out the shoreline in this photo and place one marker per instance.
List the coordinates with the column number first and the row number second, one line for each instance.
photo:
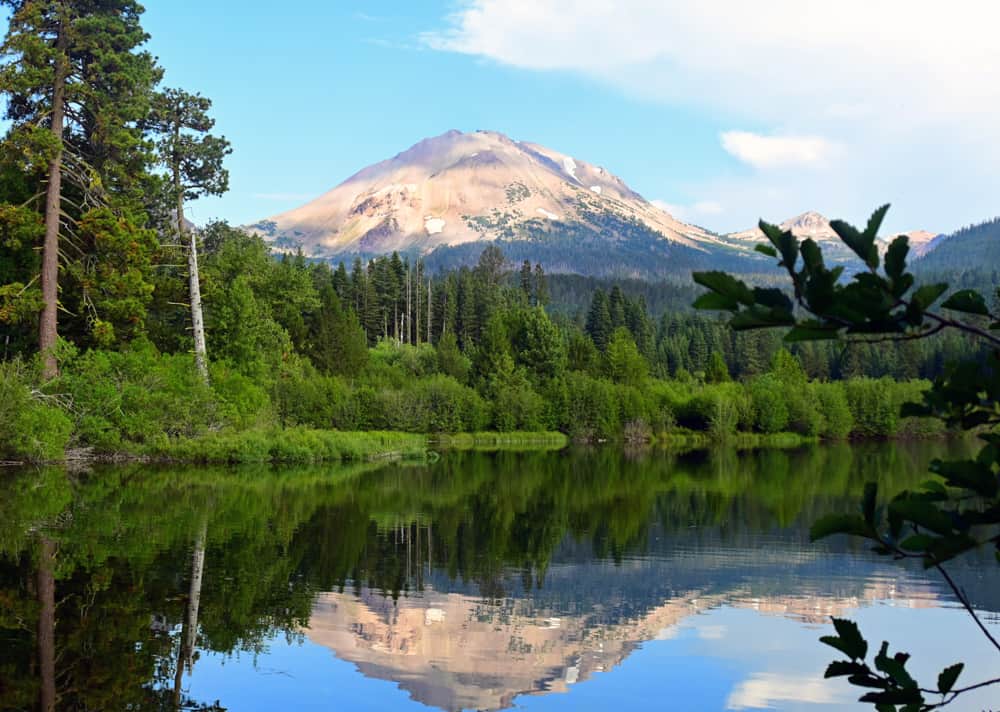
column 311, row 446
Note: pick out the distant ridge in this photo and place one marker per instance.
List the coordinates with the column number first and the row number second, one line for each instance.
column 814, row 225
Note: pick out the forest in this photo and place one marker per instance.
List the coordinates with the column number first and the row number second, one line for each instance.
column 127, row 331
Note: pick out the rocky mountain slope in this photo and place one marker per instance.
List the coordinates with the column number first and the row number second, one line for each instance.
column 451, row 193
column 445, row 197
column 814, row 225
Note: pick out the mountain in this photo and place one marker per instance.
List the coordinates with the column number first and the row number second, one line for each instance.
column 814, row 225
column 808, row 224
column 445, row 197
column 973, row 249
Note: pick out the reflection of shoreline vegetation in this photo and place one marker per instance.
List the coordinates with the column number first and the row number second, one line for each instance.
column 517, row 441
column 275, row 537
column 291, row 445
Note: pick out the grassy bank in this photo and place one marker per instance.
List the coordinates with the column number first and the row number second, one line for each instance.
column 741, row 441
column 291, row 445
column 521, row 440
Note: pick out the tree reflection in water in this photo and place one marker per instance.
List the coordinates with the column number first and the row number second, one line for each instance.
column 113, row 580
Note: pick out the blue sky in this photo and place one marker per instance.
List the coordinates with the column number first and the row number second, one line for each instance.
column 722, row 115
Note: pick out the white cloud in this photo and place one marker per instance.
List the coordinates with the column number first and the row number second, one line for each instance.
column 699, row 209
column 771, row 151
column 918, row 56
column 909, row 85
column 762, row 690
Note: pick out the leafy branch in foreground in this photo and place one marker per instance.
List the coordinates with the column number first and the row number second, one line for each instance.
column 948, row 516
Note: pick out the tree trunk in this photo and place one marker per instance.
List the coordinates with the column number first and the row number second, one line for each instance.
column 47, row 625
column 430, row 312
column 189, row 631
column 47, row 323
column 194, row 285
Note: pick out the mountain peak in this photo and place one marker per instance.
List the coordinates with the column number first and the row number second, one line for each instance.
column 808, row 220
column 808, row 224
column 458, row 188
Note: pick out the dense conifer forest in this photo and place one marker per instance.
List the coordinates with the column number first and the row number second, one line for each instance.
column 124, row 329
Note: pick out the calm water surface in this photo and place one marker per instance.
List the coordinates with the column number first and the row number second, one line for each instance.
column 580, row 580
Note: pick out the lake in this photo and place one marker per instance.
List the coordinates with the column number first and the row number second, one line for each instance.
column 575, row 580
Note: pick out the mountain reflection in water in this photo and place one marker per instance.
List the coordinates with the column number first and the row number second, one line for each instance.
column 477, row 582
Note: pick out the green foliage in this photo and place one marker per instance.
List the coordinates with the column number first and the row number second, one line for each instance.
column 134, row 396
column 450, row 360
column 299, row 445
column 30, row 428
column 624, row 363
column 875, row 411
column 113, row 287
column 769, row 404
column 892, row 687
column 948, row 516
column 591, row 408
column 838, row 422
column 717, row 371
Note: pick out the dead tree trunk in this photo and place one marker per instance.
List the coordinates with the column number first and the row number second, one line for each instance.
column 194, row 283
column 189, row 631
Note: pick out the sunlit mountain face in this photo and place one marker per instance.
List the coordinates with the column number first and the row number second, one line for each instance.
column 457, row 651
column 446, row 197
column 574, row 580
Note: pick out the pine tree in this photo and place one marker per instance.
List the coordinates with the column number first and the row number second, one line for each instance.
column 541, row 286
column 358, row 278
column 193, row 158
column 526, row 281
column 336, row 342
column 616, row 307
column 467, row 321
column 77, row 91
column 717, row 371
column 599, row 326
column 342, row 284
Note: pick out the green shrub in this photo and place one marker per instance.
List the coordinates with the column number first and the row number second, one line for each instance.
column 445, row 405
column 29, row 429
column 832, row 401
column 516, row 406
column 770, row 410
column 591, row 408
column 134, row 396
column 242, row 403
column 804, row 413
column 873, row 406
column 308, row 398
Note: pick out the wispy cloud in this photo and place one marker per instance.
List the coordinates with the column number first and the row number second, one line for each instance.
column 761, row 690
column 909, row 86
column 695, row 211
column 772, row 151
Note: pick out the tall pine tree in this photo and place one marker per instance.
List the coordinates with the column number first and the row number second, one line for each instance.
column 78, row 90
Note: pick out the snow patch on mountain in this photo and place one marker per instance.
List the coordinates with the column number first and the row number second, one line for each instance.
column 433, row 225
column 569, row 165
